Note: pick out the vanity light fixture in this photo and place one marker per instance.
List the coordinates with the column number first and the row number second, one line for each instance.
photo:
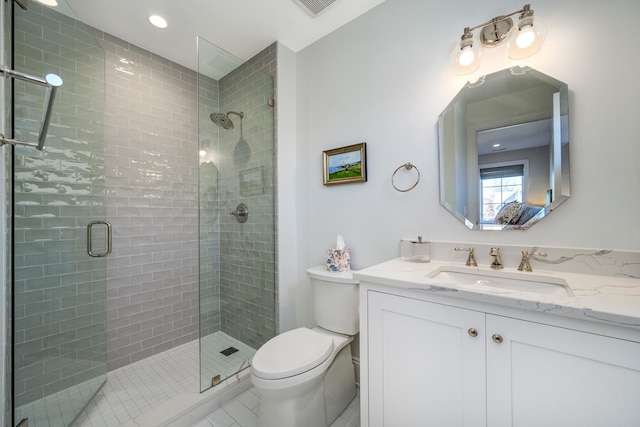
column 158, row 21
column 522, row 42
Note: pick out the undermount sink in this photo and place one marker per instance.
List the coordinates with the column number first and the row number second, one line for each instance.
column 525, row 282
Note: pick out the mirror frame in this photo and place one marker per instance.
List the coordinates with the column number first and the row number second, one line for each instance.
column 457, row 140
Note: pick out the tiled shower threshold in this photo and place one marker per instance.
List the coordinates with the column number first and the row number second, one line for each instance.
column 161, row 390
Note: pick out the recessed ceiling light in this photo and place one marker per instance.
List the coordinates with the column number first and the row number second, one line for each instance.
column 48, row 2
column 496, row 145
column 158, row 21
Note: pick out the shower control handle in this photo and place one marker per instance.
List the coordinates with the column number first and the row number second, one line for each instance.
column 241, row 213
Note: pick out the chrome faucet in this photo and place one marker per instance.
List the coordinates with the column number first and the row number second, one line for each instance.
column 471, row 259
column 496, row 263
column 524, row 263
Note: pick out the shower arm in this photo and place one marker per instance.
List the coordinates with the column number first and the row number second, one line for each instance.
column 241, row 115
column 50, row 97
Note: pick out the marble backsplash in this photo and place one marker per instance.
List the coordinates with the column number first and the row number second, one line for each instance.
column 601, row 262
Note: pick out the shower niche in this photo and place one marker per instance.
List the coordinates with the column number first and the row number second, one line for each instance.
column 236, row 168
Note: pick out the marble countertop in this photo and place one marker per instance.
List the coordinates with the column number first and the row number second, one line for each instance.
column 613, row 300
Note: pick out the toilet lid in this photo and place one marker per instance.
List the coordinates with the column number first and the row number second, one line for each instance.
column 291, row 353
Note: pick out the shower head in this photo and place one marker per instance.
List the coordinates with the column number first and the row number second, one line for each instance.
column 223, row 120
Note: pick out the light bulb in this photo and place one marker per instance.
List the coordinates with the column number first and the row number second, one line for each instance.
column 466, row 56
column 526, row 37
column 465, row 60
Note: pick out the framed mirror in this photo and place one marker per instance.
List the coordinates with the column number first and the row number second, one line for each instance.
column 504, row 150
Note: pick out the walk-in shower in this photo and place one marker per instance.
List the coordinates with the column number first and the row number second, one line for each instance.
column 183, row 273
column 223, row 120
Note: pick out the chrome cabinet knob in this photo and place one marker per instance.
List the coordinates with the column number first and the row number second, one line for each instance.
column 497, row 338
column 473, row 332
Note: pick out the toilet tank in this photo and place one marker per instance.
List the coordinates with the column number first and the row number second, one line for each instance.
column 335, row 300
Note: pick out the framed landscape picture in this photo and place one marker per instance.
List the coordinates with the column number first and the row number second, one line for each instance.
column 345, row 164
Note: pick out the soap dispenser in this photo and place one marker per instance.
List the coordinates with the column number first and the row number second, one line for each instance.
column 415, row 250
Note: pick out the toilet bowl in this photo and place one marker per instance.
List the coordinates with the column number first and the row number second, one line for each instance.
column 305, row 377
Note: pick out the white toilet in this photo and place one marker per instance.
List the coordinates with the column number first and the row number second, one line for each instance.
column 305, row 377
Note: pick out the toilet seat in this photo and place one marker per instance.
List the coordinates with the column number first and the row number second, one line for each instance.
column 291, row 353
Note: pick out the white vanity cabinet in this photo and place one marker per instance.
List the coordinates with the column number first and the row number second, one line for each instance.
column 436, row 361
column 542, row 375
column 424, row 366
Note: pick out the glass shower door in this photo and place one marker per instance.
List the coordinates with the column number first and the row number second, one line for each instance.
column 59, row 324
column 237, row 169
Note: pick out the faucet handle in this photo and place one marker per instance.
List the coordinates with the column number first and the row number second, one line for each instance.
column 471, row 259
column 524, row 263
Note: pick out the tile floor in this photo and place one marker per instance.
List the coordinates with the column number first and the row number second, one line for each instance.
column 141, row 386
column 136, row 388
column 58, row 409
column 213, row 363
column 243, row 412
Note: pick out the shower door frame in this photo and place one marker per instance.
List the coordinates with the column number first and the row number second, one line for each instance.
column 6, row 250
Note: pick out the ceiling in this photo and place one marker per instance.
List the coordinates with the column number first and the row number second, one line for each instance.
column 241, row 27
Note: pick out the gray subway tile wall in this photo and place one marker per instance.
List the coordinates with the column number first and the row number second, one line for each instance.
column 247, row 175
column 152, row 202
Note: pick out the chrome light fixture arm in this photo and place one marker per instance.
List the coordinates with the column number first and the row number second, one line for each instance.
column 524, row 13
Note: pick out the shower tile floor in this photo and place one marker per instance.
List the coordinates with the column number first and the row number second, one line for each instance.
column 141, row 386
column 243, row 412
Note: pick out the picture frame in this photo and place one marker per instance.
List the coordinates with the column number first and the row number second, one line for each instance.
column 345, row 164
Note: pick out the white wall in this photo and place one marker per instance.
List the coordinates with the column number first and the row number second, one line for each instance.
column 384, row 78
column 288, row 273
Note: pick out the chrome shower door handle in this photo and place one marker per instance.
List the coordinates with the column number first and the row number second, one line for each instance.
column 89, row 239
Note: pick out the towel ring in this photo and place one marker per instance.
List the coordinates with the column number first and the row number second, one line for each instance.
column 407, row 166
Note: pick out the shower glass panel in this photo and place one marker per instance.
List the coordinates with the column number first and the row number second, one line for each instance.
column 59, row 335
column 237, row 247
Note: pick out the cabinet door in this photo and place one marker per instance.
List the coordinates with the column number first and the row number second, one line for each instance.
column 425, row 368
column 542, row 375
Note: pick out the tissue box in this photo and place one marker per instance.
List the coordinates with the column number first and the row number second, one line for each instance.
column 338, row 259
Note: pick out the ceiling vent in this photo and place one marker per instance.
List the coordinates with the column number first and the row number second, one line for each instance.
column 314, row 7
